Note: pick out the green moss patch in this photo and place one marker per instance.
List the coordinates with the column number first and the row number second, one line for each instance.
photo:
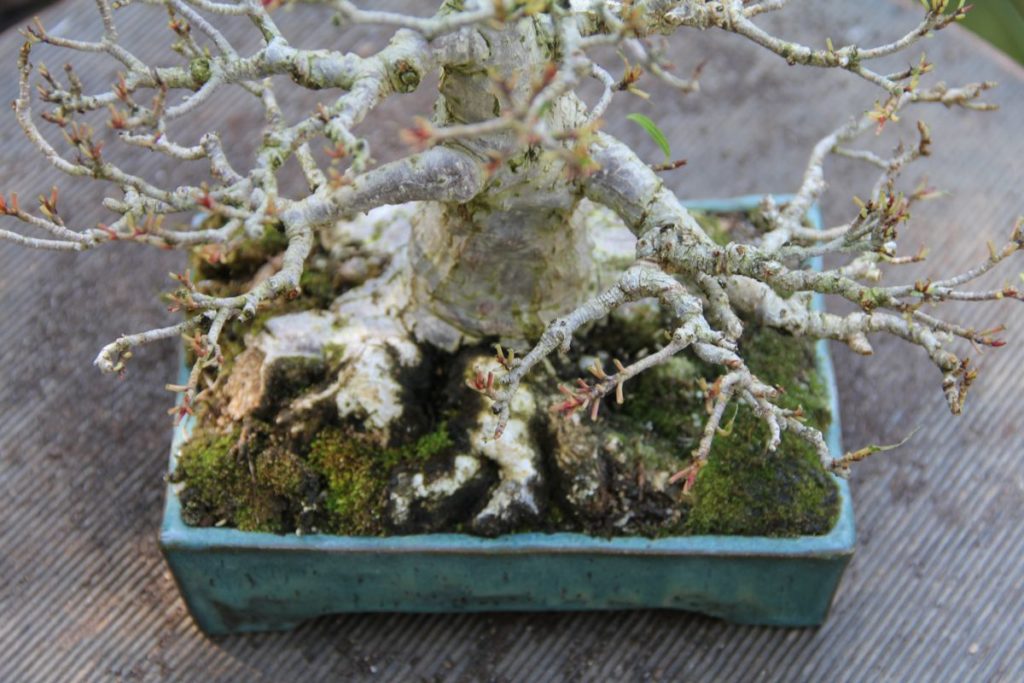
column 743, row 489
column 250, row 482
column 259, row 482
column 354, row 482
column 747, row 490
column 356, row 473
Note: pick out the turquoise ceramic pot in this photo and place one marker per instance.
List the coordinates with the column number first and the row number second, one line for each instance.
column 235, row 581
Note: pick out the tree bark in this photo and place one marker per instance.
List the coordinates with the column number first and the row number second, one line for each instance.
column 512, row 260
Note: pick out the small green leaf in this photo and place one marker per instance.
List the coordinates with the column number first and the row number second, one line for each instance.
column 727, row 429
column 651, row 128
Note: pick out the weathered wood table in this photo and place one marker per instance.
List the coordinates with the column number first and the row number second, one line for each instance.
column 935, row 592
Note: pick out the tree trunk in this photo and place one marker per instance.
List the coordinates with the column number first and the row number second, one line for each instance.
column 512, row 260
column 491, row 268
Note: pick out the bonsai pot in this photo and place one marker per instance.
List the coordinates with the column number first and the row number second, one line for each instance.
column 239, row 581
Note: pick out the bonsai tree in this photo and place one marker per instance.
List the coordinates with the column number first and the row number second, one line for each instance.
column 514, row 221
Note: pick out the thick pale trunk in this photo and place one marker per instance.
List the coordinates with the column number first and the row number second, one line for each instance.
column 500, row 271
column 512, row 260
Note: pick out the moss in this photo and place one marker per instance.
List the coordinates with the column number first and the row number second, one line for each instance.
column 354, row 483
column 252, row 483
column 780, row 359
column 356, row 471
column 661, row 395
column 745, row 489
column 282, row 486
column 429, row 445
column 657, row 424
column 343, row 474
column 211, row 474
column 318, row 286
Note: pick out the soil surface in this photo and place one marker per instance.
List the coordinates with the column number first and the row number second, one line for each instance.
column 273, row 467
